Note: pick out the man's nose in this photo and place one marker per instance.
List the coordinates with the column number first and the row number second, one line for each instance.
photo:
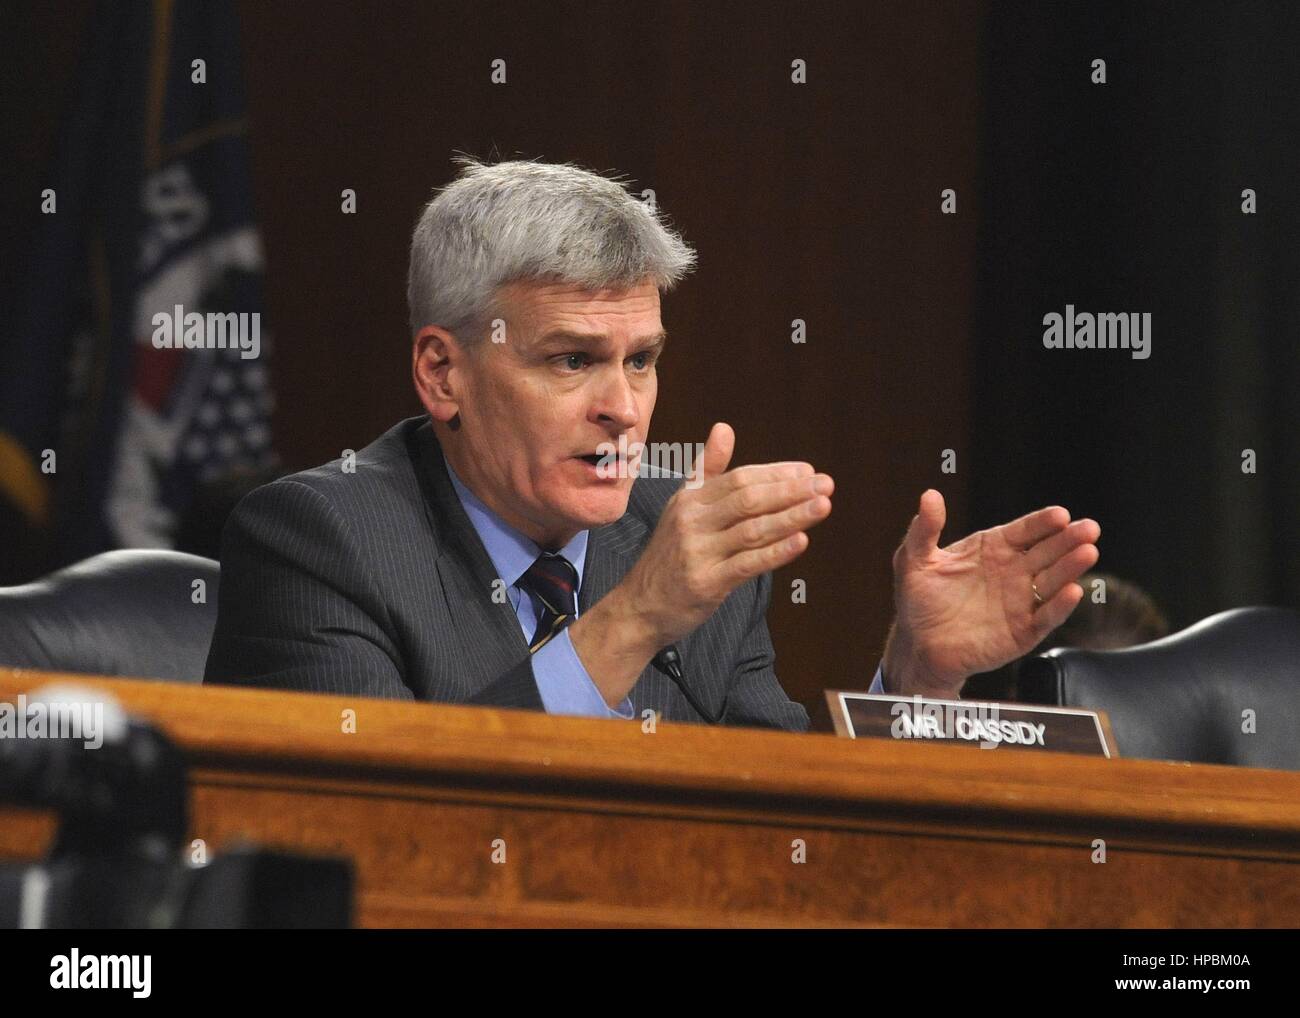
column 616, row 403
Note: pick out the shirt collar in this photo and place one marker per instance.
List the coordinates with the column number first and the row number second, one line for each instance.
column 512, row 553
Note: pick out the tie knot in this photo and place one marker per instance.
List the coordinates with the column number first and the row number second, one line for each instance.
column 554, row 581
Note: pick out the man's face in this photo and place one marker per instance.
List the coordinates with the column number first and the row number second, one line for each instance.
column 576, row 370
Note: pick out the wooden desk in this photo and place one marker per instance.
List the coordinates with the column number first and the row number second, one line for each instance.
column 695, row 826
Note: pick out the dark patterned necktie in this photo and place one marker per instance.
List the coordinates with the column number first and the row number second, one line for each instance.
column 553, row 584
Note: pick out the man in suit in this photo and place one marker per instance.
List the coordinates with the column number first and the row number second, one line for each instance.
column 496, row 550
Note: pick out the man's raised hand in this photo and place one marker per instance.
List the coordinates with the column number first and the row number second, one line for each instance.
column 984, row 600
column 738, row 524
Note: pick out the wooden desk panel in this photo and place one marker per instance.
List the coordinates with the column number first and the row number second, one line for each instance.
column 603, row 824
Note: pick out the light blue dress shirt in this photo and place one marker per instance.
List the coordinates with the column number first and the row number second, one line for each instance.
column 562, row 680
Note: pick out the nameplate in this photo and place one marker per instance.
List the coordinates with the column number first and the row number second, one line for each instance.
column 987, row 725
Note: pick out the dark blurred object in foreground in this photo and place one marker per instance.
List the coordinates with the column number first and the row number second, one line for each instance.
column 120, row 790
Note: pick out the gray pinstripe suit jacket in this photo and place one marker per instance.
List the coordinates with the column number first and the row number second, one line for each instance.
column 375, row 583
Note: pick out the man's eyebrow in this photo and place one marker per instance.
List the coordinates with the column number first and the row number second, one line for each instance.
column 560, row 336
column 657, row 342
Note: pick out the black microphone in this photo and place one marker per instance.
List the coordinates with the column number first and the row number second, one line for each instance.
column 669, row 661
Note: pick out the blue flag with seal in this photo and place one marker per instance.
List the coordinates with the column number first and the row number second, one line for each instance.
column 134, row 369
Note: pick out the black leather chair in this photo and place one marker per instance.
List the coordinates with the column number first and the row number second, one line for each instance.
column 1185, row 697
column 129, row 613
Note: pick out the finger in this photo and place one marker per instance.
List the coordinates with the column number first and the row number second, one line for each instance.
column 754, row 473
column 1027, row 531
column 1055, row 611
column 923, row 535
column 1048, row 550
column 755, row 500
column 1066, row 570
column 718, row 448
column 760, row 531
column 756, row 561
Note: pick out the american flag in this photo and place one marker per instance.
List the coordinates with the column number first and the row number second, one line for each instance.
column 155, row 209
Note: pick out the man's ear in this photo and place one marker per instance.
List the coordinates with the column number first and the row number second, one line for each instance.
column 436, row 357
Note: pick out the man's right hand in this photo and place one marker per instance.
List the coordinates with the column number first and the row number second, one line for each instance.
column 735, row 526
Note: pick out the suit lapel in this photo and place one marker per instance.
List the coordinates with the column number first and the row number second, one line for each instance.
column 611, row 552
column 468, row 578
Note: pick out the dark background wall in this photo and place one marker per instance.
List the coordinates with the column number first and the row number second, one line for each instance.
column 821, row 202
column 1127, row 197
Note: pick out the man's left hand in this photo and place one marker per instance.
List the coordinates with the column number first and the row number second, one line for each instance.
column 983, row 601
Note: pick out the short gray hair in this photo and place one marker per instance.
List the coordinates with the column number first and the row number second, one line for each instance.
column 523, row 220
